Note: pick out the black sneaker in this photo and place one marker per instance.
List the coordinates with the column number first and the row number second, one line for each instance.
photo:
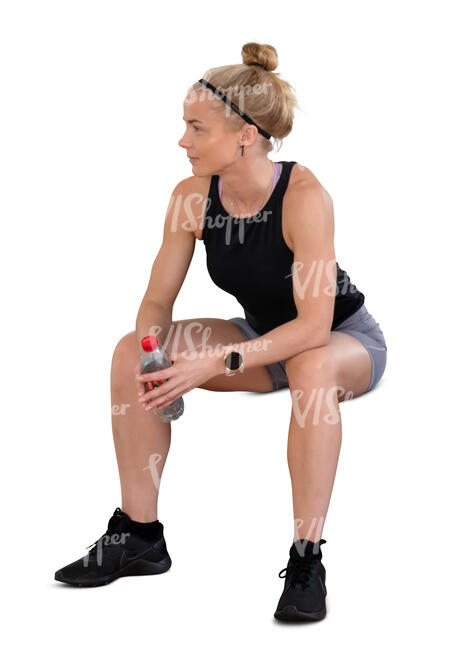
column 117, row 553
column 303, row 597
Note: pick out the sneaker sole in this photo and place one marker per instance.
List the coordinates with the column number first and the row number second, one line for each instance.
column 139, row 567
column 292, row 613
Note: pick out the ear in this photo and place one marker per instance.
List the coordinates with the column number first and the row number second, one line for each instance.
column 249, row 134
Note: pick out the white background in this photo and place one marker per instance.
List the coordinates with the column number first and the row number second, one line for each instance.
column 91, row 116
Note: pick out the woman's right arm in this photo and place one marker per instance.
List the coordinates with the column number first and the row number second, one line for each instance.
column 171, row 264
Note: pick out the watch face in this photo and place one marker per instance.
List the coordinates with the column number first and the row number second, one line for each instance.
column 233, row 360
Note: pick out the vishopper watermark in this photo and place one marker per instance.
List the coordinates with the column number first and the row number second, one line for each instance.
column 104, row 540
column 119, row 409
column 317, row 269
column 228, row 221
column 187, row 349
column 153, row 461
column 315, row 529
column 321, row 400
column 184, row 205
column 235, row 94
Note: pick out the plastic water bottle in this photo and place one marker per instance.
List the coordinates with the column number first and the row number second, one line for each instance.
column 154, row 357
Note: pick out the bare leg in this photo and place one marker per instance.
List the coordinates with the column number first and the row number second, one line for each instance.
column 138, row 437
column 315, row 432
column 141, row 439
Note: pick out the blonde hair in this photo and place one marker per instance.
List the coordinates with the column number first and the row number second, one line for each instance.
column 260, row 93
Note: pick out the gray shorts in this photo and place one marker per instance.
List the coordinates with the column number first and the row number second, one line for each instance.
column 361, row 325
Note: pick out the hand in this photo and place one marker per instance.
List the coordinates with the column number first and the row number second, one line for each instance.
column 181, row 377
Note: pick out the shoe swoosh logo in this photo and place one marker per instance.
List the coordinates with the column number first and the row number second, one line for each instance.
column 133, row 556
column 129, row 556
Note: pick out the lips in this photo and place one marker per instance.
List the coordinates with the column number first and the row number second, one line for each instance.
column 190, row 158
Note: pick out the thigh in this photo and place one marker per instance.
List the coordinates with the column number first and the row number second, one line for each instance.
column 353, row 366
column 194, row 332
column 363, row 327
column 344, row 362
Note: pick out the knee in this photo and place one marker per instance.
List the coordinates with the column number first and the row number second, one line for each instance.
column 125, row 357
column 312, row 368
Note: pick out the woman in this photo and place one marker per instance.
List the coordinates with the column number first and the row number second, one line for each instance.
column 268, row 231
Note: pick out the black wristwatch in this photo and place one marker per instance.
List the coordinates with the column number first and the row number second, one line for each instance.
column 233, row 361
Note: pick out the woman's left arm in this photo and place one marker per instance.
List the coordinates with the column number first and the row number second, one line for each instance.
column 314, row 280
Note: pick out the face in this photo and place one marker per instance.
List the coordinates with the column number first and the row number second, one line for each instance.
column 207, row 140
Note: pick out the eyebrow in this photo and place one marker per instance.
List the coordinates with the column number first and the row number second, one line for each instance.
column 192, row 121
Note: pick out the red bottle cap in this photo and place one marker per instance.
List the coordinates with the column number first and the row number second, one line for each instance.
column 149, row 343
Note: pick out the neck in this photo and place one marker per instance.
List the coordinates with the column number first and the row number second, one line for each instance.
column 246, row 181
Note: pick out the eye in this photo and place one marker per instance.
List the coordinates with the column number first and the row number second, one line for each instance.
column 196, row 128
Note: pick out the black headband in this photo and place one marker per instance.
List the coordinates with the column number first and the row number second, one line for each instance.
column 234, row 107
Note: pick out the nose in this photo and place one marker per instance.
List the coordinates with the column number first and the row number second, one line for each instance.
column 182, row 142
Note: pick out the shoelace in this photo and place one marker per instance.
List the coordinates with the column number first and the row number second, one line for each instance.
column 112, row 527
column 300, row 570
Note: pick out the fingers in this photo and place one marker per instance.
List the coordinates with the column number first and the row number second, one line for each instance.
column 159, row 376
column 159, row 393
column 169, row 398
column 146, row 382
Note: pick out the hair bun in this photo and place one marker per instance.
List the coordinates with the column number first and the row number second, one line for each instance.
column 264, row 54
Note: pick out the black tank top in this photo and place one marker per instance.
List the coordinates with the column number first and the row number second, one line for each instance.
column 248, row 258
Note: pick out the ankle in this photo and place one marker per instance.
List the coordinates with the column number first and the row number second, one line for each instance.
column 140, row 514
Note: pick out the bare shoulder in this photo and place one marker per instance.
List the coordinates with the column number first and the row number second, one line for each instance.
column 304, row 183
column 194, row 184
column 307, row 205
column 190, row 195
